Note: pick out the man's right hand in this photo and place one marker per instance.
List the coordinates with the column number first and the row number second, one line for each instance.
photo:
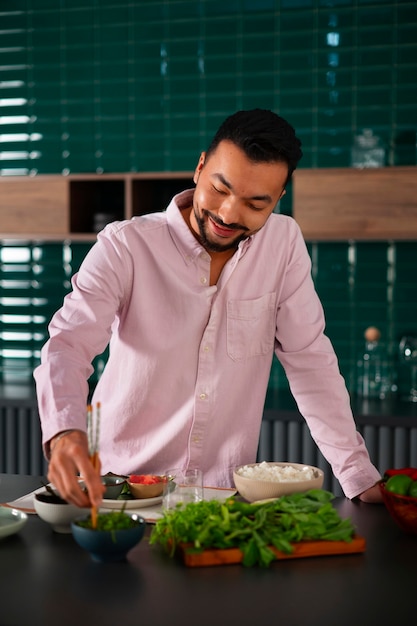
column 70, row 457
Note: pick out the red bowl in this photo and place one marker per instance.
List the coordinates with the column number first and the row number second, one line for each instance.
column 403, row 509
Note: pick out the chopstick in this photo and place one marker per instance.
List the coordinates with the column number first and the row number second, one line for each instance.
column 93, row 430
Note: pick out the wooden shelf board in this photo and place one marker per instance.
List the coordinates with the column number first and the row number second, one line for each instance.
column 348, row 203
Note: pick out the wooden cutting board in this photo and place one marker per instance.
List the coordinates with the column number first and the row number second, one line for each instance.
column 301, row 550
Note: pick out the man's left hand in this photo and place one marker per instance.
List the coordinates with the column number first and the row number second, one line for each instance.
column 372, row 495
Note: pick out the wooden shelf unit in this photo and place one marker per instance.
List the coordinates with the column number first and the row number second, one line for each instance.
column 336, row 204
column 54, row 207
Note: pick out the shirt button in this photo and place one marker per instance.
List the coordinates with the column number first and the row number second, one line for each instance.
column 203, row 280
column 203, row 396
column 206, row 348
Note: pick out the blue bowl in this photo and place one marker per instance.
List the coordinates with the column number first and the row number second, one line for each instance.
column 108, row 546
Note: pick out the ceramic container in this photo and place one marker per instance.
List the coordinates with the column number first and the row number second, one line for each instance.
column 55, row 511
column 253, row 489
column 106, row 546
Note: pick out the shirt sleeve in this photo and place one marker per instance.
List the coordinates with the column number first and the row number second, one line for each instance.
column 313, row 373
column 80, row 331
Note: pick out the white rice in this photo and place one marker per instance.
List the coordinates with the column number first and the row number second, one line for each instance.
column 276, row 473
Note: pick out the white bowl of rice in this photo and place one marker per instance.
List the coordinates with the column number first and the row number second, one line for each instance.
column 261, row 481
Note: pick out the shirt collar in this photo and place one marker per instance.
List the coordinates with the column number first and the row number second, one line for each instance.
column 183, row 238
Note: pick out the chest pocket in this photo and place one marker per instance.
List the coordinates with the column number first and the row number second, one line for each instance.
column 250, row 327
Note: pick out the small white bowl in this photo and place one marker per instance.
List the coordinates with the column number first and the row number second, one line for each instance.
column 56, row 512
column 253, row 489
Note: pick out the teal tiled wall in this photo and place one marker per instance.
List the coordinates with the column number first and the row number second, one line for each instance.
column 118, row 86
column 360, row 285
column 34, row 278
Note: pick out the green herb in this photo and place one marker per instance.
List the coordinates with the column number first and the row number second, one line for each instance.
column 253, row 528
column 125, row 493
column 115, row 520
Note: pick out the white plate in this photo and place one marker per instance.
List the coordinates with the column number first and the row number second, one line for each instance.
column 11, row 521
column 137, row 503
column 210, row 493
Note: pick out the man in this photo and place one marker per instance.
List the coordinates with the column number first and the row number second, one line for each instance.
column 194, row 302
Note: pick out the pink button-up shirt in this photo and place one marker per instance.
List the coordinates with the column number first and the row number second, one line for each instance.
column 189, row 364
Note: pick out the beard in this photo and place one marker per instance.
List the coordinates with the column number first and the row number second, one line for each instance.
column 208, row 243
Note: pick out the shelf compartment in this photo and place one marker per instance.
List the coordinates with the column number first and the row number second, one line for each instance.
column 153, row 193
column 95, row 202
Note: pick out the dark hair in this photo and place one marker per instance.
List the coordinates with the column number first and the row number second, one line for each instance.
column 263, row 136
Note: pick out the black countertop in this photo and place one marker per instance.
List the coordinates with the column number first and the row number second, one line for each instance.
column 47, row 579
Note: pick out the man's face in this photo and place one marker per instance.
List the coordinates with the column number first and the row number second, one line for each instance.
column 234, row 196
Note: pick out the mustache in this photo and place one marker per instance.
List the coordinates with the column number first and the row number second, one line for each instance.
column 232, row 226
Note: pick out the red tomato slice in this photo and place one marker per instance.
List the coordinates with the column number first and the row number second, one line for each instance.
column 144, row 479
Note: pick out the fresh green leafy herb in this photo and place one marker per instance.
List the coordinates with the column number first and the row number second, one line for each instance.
column 253, row 528
column 125, row 493
column 115, row 520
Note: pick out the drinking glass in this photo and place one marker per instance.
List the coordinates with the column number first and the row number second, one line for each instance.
column 186, row 486
column 408, row 356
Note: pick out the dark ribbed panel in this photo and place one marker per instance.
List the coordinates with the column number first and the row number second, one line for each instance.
column 290, row 441
column 20, row 441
